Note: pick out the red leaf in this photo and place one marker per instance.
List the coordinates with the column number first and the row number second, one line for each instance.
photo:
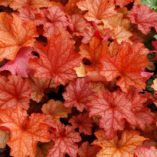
column 25, row 131
column 19, row 66
column 144, row 17
column 65, row 139
column 78, row 93
column 14, row 91
column 144, row 117
column 57, row 60
column 83, row 122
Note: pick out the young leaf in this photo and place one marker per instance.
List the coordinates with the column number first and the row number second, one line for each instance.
column 151, row 3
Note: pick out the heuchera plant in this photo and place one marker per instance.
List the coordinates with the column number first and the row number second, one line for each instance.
column 78, row 78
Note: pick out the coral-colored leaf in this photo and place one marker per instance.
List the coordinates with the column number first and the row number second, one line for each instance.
column 144, row 17
column 19, row 66
column 55, row 18
column 57, row 60
column 123, row 147
column 126, row 65
column 56, row 109
column 17, row 4
column 14, row 34
column 14, row 91
column 146, row 152
column 25, row 131
column 83, row 122
column 144, row 117
column 78, row 93
column 97, row 10
column 118, row 27
column 113, row 109
column 81, row 27
column 65, row 139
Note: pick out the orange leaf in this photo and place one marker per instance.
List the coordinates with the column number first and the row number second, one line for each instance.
column 56, row 109
column 93, row 52
column 17, row 4
column 97, row 10
column 86, row 150
column 38, row 88
column 126, row 65
column 71, row 6
column 123, row 3
column 25, row 131
column 14, row 91
column 57, row 60
column 123, row 147
column 4, row 136
column 4, row 2
column 14, row 34
column 118, row 26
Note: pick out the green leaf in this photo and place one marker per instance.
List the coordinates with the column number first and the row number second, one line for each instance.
column 151, row 3
column 155, row 36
